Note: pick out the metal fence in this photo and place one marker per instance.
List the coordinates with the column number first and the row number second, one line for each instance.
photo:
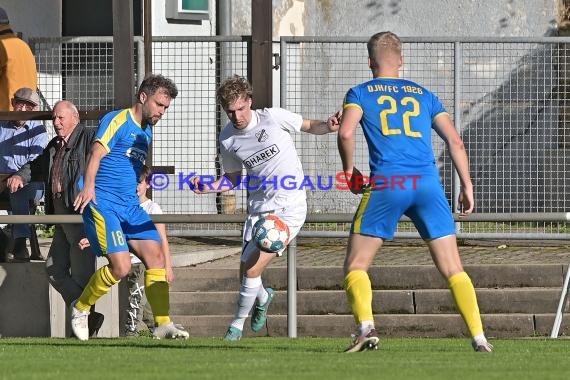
column 80, row 69
column 507, row 96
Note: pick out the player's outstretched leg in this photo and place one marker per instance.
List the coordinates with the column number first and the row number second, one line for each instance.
column 359, row 292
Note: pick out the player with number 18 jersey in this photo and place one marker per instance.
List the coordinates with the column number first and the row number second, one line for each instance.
column 117, row 216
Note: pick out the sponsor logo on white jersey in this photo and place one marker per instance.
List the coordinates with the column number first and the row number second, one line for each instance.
column 261, row 156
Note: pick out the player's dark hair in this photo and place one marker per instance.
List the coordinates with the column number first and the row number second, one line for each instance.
column 153, row 82
column 232, row 89
column 145, row 174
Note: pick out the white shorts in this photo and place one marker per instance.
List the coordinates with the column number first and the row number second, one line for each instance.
column 294, row 217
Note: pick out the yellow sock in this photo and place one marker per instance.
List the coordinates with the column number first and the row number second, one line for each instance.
column 359, row 291
column 99, row 285
column 156, row 289
column 464, row 295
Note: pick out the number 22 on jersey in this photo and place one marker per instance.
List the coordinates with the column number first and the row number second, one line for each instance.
column 392, row 108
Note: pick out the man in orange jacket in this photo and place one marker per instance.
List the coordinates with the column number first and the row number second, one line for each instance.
column 17, row 64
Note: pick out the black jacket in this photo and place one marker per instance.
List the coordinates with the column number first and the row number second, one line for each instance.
column 74, row 164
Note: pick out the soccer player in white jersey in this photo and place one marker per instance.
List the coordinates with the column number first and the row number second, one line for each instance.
column 260, row 140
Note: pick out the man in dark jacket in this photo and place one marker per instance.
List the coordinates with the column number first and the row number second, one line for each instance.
column 60, row 167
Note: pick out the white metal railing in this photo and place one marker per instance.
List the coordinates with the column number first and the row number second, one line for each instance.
column 292, row 247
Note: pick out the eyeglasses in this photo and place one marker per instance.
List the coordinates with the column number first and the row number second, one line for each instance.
column 23, row 106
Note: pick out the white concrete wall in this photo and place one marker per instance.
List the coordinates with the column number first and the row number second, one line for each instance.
column 321, row 75
column 24, row 300
column 31, row 307
column 34, row 18
column 410, row 18
column 42, row 18
column 497, row 18
column 162, row 27
column 173, row 139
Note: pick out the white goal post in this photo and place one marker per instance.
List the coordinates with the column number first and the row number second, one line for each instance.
column 561, row 303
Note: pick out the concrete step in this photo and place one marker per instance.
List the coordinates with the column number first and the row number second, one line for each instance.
column 515, row 301
column 409, row 300
column 323, row 302
column 492, row 301
column 382, row 277
column 395, row 325
column 308, row 302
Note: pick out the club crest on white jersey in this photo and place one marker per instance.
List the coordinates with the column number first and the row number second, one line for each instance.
column 261, row 135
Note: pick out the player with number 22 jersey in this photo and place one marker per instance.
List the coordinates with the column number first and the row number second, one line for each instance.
column 397, row 120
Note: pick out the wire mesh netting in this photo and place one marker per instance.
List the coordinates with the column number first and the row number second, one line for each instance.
column 507, row 96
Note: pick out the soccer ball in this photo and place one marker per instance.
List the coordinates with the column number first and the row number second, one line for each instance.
column 270, row 233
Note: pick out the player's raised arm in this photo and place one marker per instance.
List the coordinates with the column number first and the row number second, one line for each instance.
column 320, row 127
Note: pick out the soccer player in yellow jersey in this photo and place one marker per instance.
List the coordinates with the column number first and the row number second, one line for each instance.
column 397, row 117
column 111, row 209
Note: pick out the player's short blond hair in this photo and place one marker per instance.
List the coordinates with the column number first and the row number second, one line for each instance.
column 384, row 46
column 232, row 89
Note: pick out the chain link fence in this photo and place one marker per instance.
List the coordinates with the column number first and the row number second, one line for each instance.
column 507, row 96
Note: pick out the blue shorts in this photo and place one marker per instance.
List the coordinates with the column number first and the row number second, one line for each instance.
column 110, row 226
column 422, row 200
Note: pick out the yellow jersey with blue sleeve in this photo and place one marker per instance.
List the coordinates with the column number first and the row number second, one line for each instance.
column 397, row 118
column 117, row 217
column 127, row 143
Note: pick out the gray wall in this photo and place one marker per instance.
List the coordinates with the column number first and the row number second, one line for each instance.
column 509, row 106
column 494, row 18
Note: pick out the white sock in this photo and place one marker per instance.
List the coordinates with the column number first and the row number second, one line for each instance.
column 247, row 294
column 262, row 295
column 365, row 327
column 480, row 339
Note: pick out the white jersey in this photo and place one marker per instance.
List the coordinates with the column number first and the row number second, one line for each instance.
column 151, row 207
column 267, row 151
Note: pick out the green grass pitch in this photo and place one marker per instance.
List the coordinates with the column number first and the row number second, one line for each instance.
column 280, row 358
